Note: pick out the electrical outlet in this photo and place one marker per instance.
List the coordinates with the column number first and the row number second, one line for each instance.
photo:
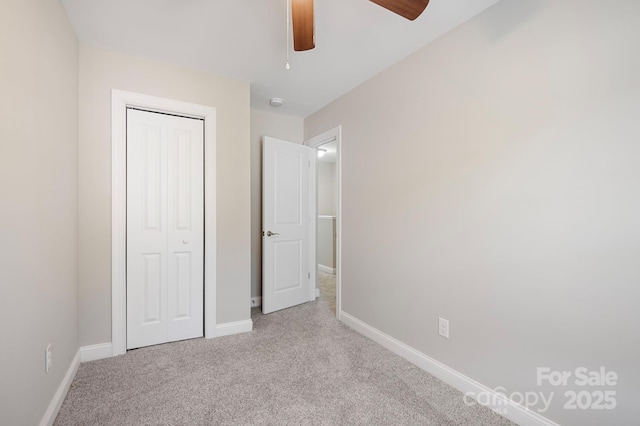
column 47, row 358
column 443, row 327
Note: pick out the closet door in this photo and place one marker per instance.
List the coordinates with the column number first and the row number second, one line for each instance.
column 165, row 228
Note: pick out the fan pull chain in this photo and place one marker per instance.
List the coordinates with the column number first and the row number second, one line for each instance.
column 286, row 65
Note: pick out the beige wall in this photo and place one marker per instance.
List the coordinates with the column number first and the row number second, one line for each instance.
column 326, row 250
column 326, row 243
column 326, row 188
column 100, row 72
column 38, row 196
column 281, row 127
column 501, row 178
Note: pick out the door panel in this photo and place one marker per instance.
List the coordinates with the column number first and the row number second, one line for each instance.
column 287, row 262
column 183, row 287
column 186, row 230
column 287, row 208
column 165, row 228
column 152, row 288
column 288, row 195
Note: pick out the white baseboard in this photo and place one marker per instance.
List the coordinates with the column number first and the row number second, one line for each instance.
column 236, row 327
column 501, row 404
column 326, row 269
column 105, row 350
column 95, row 352
column 257, row 301
column 58, row 398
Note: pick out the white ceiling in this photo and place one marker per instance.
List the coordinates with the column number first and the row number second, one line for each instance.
column 247, row 39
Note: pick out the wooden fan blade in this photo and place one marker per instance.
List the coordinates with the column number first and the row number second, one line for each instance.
column 302, row 15
column 409, row 9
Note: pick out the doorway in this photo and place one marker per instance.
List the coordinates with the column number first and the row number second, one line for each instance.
column 120, row 101
column 329, row 210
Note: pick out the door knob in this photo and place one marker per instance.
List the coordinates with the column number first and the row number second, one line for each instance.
column 269, row 233
column 185, row 241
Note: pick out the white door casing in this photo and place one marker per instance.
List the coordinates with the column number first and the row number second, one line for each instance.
column 120, row 100
column 165, row 226
column 288, row 224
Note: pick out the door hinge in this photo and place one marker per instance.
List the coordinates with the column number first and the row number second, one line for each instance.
column 309, row 275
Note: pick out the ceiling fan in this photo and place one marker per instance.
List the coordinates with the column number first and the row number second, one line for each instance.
column 302, row 18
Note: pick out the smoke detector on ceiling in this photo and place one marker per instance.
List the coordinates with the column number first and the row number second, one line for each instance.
column 275, row 102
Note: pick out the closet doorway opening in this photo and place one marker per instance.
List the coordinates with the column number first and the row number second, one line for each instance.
column 120, row 102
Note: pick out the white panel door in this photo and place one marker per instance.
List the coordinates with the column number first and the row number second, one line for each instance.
column 165, row 228
column 288, row 199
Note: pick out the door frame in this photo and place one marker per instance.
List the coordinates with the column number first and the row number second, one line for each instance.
column 314, row 142
column 120, row 100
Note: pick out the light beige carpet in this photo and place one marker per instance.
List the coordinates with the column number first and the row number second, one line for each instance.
column 298, row 367
column 327, row 285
